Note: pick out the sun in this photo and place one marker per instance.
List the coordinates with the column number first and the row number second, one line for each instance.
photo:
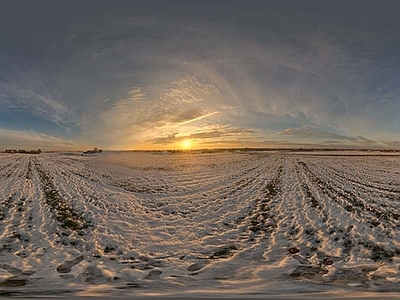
column 186, row 144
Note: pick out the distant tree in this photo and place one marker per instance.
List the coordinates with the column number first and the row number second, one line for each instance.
column 39, row 151
column 95, row 149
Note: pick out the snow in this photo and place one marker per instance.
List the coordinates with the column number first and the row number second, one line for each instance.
column 190, row 225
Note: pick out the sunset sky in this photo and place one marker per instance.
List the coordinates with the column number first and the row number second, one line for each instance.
column 152, row 74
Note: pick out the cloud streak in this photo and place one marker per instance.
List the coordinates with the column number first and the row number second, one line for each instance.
column 313, row 134
column 13, row 139
column 206, row 136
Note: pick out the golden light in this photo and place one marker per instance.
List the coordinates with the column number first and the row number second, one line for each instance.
column 186, row 144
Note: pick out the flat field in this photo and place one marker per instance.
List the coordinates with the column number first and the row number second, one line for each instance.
column 185, row 225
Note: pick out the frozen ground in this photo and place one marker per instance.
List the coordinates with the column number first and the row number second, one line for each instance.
column 194, row 225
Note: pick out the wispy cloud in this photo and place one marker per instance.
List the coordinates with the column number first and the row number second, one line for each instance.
column 27, row 93
column 217, row 135
column 308, row 134
column 144, row 116
column 136, row 72
column 393, row 144
column 34, row 140
column 189, row 89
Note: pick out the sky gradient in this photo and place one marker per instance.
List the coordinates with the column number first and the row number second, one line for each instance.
column 148, row 74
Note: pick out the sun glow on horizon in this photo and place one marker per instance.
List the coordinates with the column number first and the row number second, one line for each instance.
column 186, row 144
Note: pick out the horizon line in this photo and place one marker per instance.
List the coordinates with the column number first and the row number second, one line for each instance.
column 228, row 149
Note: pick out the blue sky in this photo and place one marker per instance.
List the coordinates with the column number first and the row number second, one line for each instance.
column 152, row 74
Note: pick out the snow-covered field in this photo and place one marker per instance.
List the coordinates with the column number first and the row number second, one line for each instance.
column 226, row 224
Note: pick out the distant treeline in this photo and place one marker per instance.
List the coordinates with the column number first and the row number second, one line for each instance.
column 94, row 151
column 279, row 149
column 38, row 151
